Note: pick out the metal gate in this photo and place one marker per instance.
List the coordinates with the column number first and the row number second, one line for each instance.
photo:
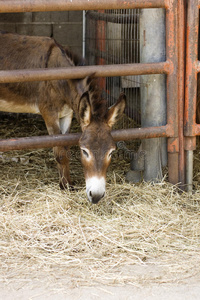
column 173, row 67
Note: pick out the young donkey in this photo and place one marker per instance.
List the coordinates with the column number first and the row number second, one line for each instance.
column 56, row 101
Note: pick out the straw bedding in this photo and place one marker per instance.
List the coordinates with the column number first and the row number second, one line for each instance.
column 58, row 235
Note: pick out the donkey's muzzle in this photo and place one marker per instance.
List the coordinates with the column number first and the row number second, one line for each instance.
column 95, row 188
column 95, row 198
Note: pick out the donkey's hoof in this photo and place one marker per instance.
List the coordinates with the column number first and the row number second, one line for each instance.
column 64, row 185
column 72, row 188
column 67, row 186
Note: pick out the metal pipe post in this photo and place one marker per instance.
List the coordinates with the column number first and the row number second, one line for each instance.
column 190, row 128
column 189, row 170
column 153, row 98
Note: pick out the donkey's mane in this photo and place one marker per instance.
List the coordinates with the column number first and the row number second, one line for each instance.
column 76, row 59
column 98, row 104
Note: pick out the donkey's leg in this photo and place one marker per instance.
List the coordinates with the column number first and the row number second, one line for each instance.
column 61, row 154
column 62, row 158
column 65, row 124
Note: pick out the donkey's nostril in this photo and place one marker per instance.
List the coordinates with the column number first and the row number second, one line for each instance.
column 90, row 194
column 96, row 198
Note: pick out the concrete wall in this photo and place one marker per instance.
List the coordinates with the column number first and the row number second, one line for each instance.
column 65, row 27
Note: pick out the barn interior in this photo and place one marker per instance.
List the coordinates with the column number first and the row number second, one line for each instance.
column 56, row 236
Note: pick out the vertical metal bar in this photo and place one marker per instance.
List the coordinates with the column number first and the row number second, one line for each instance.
column 189, row 170
column 191, row 67
column 181, row 86
column 191, row 87
column 153, row 99
column 84, row 34
column 172, row 89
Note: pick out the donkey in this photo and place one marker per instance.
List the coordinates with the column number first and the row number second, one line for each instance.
column 57, row 100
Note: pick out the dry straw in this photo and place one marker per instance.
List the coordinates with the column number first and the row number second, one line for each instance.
column 144, row 233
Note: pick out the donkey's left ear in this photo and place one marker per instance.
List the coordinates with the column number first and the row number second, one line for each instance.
column 115, row 112
column 84, row 110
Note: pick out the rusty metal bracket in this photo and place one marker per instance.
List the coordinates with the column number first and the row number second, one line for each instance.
column 173, row 145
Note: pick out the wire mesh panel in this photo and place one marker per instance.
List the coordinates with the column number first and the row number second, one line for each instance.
column 112, row 37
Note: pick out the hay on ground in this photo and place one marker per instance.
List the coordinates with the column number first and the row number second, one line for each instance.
column 49, row 233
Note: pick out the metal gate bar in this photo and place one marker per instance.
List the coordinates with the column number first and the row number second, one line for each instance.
column 81, row 72
column 181, row 86
column 191, row 129
column 170, row 67
column 73, row 138
column 52, row 5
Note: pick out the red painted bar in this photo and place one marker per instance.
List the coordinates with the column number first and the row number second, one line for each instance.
column 190, row 128
column 191, row 68
column 181, row 86
column 172, row 90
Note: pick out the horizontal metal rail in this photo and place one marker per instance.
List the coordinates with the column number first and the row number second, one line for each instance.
column 54, row 5
column 80, row 72
column 113, row 18
column 50, row 141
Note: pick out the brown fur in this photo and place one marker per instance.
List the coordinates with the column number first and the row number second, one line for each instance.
column 56, row 100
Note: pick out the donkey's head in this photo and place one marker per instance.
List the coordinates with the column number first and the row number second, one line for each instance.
column 96, row 142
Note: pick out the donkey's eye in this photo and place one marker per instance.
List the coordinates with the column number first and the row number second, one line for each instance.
column 85, row 153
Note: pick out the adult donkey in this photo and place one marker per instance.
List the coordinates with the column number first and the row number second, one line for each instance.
column 56, row 101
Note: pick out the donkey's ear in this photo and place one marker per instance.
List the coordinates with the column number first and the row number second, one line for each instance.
column 115, row 112
column 84, row 110
column 82, row 84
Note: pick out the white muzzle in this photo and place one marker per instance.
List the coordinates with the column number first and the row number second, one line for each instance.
column 95, row 188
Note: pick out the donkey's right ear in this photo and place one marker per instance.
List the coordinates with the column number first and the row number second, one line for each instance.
column 116, row 111
column 84, row 110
